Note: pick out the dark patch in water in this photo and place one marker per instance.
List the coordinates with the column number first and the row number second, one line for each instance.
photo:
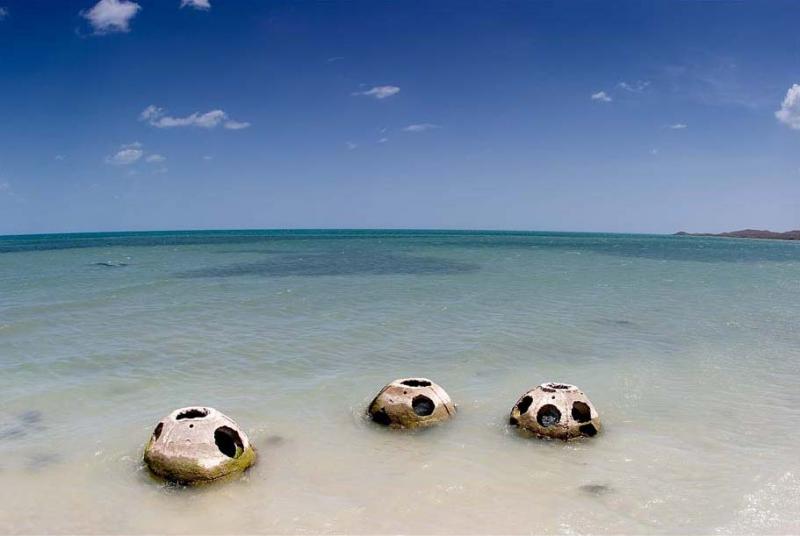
column 616, row 322
column 595, row 489
column 275, row 440
column 331, row 264
column 22, row 424
column 110, row 264
column 39, row 461
column 32, row 416
column 12, row 432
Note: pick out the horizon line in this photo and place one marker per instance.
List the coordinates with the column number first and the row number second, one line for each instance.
column 326, row 229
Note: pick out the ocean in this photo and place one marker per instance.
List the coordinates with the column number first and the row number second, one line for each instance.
column 689, row 347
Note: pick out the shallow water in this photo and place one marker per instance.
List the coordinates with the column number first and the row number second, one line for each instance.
column 689, row 348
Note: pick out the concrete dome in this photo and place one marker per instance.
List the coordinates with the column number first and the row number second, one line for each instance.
column 197, row 444
column 411, row 403
column 556, row 410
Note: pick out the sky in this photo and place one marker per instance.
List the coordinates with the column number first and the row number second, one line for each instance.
column 642, row 116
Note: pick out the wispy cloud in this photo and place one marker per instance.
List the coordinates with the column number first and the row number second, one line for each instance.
column 335, row 59
column 716, row 80
column 109, row 16
column 601, row 96
column 155, row 159
column 678, row 126
column 4, row 187
column 379, row 92
column 634, row 87
column 236, row 125
column 350, row 145
column 420, row 127
column 383, row 140
column 158, row 118
column 789, row 112
column 3, row 12
column 126, row 155
column 204, row 5
column 60, row 157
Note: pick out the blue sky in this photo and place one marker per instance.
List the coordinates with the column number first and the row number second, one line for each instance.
column 641, row 116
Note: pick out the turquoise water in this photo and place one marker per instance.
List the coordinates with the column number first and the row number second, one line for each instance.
column 689, row 348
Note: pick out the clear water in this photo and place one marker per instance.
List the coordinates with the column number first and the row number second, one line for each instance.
column 689, row 348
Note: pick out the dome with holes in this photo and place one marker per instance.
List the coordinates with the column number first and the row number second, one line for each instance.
column 197, row 444
column 411, row 403
column 556, row 410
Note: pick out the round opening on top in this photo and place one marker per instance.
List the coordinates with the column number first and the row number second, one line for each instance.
column 228, row 441
column 192, row 413
column 524, row 404
column 559, row 386
column 416, row 383
column 548, row 415
column 423, row 406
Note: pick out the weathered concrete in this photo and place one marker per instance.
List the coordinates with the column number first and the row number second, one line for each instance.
column 411, row 403
column 197, row 444
column 556, row 410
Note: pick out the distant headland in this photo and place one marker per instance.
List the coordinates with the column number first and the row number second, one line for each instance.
column 749, row 233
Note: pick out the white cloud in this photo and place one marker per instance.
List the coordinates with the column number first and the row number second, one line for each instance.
column 208, row 157
column 678, row 126
column 236, row 125
column 420, row 127
column 204, row 5
column 108, row 16
column 654, row 152
column 789, row 114
column 155, row 159
column 60, row 157
column 3, row 13
column 379, row 92
column 634, row 87
column 157, row 117
column 351, row 145
column 4, row 187
column 383, row 140
column 126, row 155
column 601, row 96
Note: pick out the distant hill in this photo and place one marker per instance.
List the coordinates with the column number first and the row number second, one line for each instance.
column 749, row 233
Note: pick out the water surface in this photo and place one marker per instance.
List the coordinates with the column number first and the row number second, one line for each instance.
column 689, row 348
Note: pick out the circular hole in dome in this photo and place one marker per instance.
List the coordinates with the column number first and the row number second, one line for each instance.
column 581, row 412
column 416, row 383
column 524, row 404
column 548, row 415
column 588, row 430
column 560, row 386
column 192, row 413
column 381, row 417
column 228, row 441
column 423, row 406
